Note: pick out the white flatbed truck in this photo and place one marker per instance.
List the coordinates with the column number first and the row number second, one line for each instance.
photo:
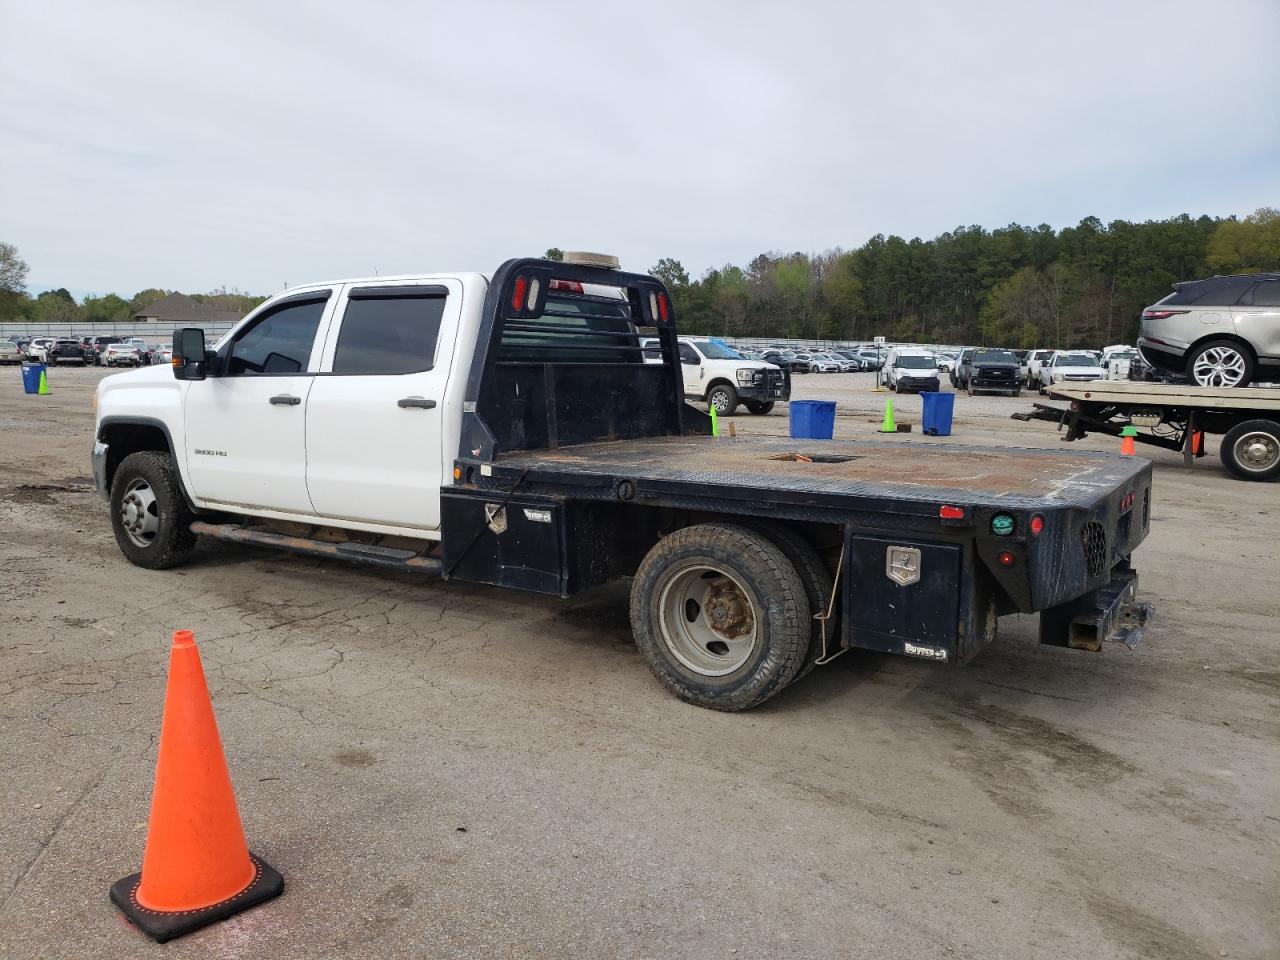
column 1176, row 417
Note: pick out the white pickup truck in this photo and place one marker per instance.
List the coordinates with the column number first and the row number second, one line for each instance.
column 509, row 430
column 715, row 374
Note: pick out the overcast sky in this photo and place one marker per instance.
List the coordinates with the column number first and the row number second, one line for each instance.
column 251, row 144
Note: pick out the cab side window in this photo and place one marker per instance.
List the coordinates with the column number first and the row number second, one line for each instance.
column 389, row 330
column 689, row 355
column 278, row 342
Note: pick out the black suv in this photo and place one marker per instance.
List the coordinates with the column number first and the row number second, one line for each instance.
column 67, row 351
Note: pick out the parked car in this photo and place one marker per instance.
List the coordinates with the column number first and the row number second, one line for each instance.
column 10, row 352
column 946, row 362
column 122, row 355
column 988, row 370
column 98, row 345
column 786, row 360
column 872, row 359
column 38, row 349
column 1220, row 332
column 843, row 364
column 853, row 357
column 67, row 351
column 1035, row 360
column 1070, row 366
column 1024, row 359
column 816, row 363
column 716, row 374
column 908, row 368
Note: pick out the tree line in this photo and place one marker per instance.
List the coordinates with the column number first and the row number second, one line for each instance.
column 1013, row 286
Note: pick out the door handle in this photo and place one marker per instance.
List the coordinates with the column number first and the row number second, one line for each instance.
column 286, row 400
column 421, row 403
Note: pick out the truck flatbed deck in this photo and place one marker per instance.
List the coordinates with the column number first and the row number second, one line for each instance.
column 769, row 469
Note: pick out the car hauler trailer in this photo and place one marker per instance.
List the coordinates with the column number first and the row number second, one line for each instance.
column 1176, row 417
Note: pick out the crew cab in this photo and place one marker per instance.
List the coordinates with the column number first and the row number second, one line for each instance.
column 985, row 370
column 716, row 374
column 506, row 429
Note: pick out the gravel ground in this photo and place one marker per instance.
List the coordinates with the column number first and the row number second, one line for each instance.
column 442, row 770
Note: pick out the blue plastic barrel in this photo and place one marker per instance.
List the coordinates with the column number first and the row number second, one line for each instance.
column 938, row 407
column 31, row 377
column 813, row 419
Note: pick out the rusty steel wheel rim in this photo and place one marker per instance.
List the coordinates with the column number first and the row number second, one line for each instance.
column 708, row 620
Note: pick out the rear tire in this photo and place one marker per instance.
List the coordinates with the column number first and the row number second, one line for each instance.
column 724, row 398
column 1251, row 450
column 149, row 515
column 1220, row 363
column 817, row 587
column 720, row 616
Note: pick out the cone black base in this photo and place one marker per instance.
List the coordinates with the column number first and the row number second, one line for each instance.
column 162, row 925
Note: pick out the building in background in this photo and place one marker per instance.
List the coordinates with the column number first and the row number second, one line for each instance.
column 179, row 310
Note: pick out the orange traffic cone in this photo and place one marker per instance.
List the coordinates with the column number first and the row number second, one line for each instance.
column 1127, row 447
column 196, row 869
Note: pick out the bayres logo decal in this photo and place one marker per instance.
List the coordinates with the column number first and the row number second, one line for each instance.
column 929, row 653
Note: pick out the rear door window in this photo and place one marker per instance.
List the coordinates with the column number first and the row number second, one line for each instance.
column 389, row 330
column 1267, row 294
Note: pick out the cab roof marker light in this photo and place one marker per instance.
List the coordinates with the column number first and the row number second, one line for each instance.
column 566, row 286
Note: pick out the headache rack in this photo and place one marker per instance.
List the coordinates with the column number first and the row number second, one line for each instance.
column 555, row 366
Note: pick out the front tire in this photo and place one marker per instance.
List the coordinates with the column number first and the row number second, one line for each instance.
column 1220, row 363
column 1251, row 450
column 724, row 398
column 149, row 516
column 720, row 616
column 758, row 408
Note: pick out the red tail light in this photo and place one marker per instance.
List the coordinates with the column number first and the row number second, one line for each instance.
column 947, row 512
column 568, row 286
column 1006, row 558
column 1161, row 314
column 663, row 310
column 517, row 294
column 1037, row 525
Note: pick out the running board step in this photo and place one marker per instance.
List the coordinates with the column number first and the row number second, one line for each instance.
column 386, row 557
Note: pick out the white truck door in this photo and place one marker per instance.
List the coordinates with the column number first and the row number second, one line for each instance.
column 245, row 429
column 375, row 448
column 691, row 370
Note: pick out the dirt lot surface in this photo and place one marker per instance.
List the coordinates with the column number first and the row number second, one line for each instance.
column 442, row 770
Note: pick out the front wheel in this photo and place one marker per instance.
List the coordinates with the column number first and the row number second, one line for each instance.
column 1220, row 363
column 149, row 516
column 720, row 616
column 1251, row 450
column 724, row 398
column 758, row 408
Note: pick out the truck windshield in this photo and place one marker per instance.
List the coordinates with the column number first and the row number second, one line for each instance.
column 994, row 356
column 1076, row 360
column 716, row 351
column 914, row 361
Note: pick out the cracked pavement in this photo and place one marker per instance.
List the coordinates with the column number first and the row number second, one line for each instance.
column 454, row 771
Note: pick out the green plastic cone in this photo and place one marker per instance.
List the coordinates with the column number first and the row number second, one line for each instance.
column 715, row 421
column 888, row 425
column 43, row 389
